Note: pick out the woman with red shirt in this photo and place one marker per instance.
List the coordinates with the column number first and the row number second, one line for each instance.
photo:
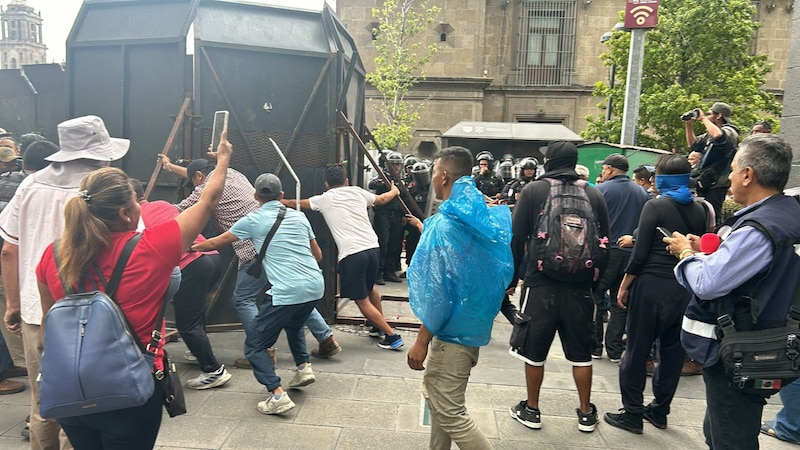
column 98, row 223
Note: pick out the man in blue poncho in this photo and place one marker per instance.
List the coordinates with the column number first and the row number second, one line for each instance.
column 456, row 283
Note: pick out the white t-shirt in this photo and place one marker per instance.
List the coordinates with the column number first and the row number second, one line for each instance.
column 34, row 218
column 345, row 210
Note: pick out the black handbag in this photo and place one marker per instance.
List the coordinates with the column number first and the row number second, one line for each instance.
column 762, row 361
column 255, row 268
column 170, row 382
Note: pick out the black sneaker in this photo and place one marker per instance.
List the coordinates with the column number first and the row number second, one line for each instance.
column 587, row 422
column 625, row 420
column 657, row 419
column 376, row 332
column 531, row 418
column 393, row 342
column 390, row 275
column 379, row 280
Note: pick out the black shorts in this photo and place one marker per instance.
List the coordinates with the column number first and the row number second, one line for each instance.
column 563, row 307
column 357, row 274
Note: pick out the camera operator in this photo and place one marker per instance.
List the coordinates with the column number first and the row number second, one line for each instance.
column 715, row 148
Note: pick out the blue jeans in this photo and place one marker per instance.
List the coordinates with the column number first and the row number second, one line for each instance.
column 244, row 300
column 787, row 422
column 266, row 327
column 245, row 295
column 5, row 357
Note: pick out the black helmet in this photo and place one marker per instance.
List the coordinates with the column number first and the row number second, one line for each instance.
column 485, row 155
column 504, row 169
column 421, row 173
column 409, row 161
column 394, row 158
column 529, row 163
column 508, row 157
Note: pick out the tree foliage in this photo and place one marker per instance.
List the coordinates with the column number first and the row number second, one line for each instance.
column 399, row 65
column 700, row 53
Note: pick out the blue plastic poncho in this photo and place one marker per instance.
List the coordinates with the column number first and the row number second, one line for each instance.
column 462, row 267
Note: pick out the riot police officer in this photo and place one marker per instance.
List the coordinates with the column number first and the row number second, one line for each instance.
column 387, row 221
column 420, row 190
column 486, row 181
column 528, row 173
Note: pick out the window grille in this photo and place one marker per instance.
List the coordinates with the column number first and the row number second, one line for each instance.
column 546, row 45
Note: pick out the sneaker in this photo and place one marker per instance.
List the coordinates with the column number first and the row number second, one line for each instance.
column 625, row 420
column 303, row 377
column 26, row 432
column 392, row 342
column 657, row 419
column 390, row 275
column 376, row 332
column 402, row 275
column 587, row 422
column 598, row 354
column 327, row 348
column 242, row 363
column 379, row 280
column 209, row 380
column 187, row 355
column 614, row 360
column 274, row 405
column 531, row 418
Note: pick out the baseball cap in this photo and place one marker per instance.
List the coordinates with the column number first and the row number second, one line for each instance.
column 194, row 167
column 616, row 161
column 7, row 154
column 4, row 133
column 723, row 109
column 268, row 185
column 87, row 138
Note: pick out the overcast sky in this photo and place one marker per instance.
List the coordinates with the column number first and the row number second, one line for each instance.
column 59, row 15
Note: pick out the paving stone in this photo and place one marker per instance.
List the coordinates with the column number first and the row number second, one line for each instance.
column 348, row 413
column 267, row 436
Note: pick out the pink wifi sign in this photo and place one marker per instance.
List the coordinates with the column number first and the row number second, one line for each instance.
column 641, row 13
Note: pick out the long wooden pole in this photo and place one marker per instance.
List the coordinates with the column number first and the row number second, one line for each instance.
column 170, row 140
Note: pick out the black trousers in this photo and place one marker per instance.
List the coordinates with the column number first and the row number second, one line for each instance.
column 389, row 228
column 412, row 240
column 610, row 280
column 190, row 308
column 655, row 311
column 733, row 418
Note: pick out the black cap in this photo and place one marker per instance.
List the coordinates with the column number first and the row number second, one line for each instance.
column 616, row 161
column 561, row 155
column 194, row 167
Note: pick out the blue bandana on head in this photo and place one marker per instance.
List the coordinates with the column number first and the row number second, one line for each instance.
column 675, row 186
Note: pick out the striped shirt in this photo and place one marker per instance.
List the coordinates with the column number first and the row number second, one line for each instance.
column 237, row 201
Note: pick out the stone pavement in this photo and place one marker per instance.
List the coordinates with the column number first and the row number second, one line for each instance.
column 367, row 397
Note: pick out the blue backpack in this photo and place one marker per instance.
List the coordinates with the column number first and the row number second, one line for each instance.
column 92, row 361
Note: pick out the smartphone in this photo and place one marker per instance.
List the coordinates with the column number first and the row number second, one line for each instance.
column 220, row 125
column 664, row 231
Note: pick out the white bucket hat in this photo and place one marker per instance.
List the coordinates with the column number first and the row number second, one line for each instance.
column 87, row 138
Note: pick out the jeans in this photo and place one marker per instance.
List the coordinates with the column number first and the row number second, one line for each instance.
column 123, row 429
column 5, row 358
column 245, row 294
column 190, row 308
column 444, row 386
column 787, row 422
column 318, row 327
column 265, row 330
column 733, row 418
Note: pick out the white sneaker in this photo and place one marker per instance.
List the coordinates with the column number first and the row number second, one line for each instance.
column 276, row 406
column 209, row 380
column 187, row 355
column 303, row 377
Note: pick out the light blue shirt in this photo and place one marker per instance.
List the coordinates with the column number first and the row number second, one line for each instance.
column 290, row 267
column 742, row 256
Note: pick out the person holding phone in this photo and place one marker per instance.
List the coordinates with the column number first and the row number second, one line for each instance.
column 654, row 300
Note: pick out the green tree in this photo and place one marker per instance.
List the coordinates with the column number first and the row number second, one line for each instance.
column 399, row 65
column 700, row 53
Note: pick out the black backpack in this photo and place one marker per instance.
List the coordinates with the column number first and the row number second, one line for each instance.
column 566, row 244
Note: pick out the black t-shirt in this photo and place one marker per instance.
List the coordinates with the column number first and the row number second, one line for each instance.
column 650, row 252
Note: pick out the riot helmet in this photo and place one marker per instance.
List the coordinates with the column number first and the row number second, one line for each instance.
column 409, row 161
column 508, row 157
column 504, row 170
column 421, row 173
column 485, row 155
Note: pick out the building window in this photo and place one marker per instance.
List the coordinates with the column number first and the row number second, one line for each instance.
column 34, row 36
column 546, row 44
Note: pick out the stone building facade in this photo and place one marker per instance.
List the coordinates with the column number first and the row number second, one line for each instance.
column 20, row 36
column 527, row 60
